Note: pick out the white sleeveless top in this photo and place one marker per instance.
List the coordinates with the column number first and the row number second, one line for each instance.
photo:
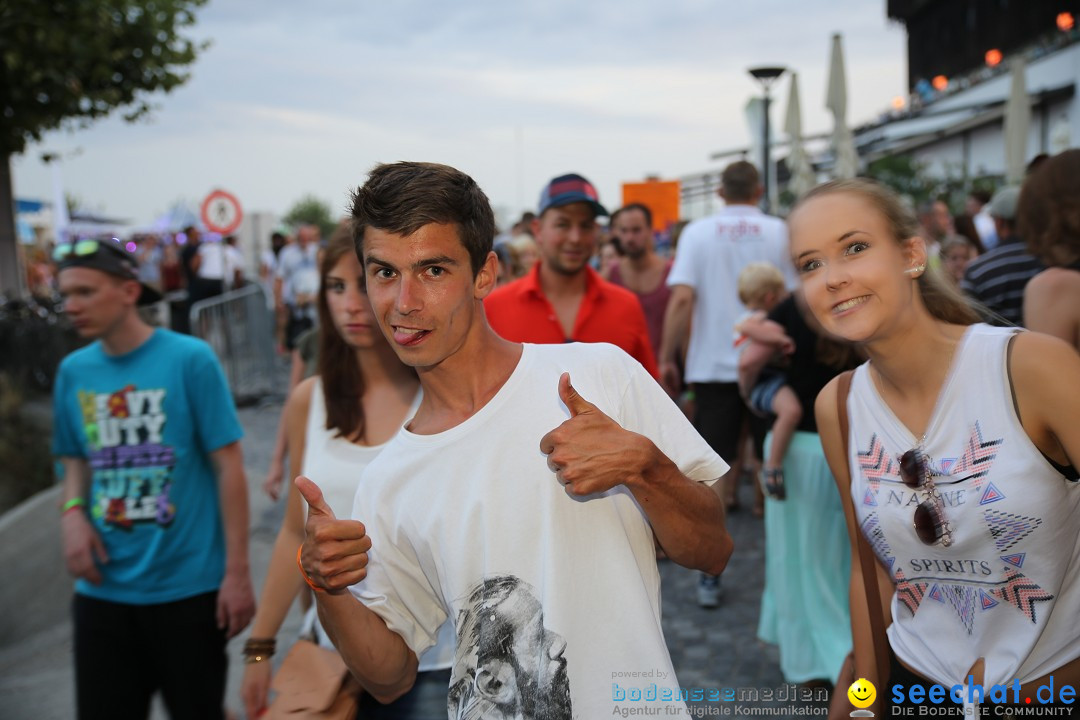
column 1008, row 588
column 335, row 464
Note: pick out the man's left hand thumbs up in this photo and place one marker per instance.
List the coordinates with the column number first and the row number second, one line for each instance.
column 590, row 452
column 576, row 404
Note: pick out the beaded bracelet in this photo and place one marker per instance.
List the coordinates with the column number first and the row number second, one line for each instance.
column 258, row 649
column 304, row 574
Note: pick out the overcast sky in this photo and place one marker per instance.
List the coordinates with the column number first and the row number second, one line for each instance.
column 303, row 98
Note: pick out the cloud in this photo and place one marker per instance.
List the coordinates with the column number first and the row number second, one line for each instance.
column 303, row 98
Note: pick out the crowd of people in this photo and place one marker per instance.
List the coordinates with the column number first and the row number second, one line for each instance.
column 185, row 267
column 495, row 437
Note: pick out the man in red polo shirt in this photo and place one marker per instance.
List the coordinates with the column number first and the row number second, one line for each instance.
column 562, row 299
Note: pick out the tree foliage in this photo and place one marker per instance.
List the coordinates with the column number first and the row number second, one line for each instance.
column 911, row 178
column 905, row 175
column 74, row 61
column 66, row 63
column 310, row 210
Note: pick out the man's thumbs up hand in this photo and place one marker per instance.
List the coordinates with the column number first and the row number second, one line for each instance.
column 590, row 452
column 334, row 554
column 312, row 493
column 576, row 404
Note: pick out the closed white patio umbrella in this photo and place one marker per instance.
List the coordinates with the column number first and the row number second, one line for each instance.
column 802, row 172
column 1017, row 121
column 846, row 163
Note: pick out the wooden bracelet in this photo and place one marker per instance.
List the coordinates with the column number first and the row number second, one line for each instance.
column 304, row 574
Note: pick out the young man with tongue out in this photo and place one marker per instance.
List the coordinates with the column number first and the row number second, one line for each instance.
column 523, row 499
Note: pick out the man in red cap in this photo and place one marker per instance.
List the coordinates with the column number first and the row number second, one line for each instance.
column 562, row 299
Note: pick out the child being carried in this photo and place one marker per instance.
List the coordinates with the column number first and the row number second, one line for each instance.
column 761, row 288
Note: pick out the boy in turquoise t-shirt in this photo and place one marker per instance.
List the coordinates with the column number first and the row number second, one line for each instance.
column 155, row 515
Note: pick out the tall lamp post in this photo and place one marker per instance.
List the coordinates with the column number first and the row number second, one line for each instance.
column 766, row 76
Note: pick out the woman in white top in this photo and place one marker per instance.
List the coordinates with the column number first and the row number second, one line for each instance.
column 337, row 422
column 957, row 451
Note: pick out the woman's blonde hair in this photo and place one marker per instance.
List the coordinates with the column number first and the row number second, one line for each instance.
column 942, row 300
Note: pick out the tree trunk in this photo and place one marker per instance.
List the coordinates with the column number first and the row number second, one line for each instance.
column 12, row 277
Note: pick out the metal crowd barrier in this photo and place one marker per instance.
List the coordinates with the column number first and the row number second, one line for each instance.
column 240, row 328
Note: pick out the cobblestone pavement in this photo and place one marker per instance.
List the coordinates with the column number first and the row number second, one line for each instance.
column 717, row 649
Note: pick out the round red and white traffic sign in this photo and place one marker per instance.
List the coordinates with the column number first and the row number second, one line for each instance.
column 221, row 212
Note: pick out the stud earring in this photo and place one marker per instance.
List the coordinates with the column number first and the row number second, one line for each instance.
column 916, row 269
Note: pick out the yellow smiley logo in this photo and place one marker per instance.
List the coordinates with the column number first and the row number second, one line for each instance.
column 862, row 693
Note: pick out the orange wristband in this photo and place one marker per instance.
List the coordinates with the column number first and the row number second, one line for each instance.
column 303, row 574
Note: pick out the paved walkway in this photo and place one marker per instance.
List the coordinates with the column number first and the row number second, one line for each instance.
column 710, row 648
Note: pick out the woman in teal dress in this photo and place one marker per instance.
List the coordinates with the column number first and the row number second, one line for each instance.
column 804, row 607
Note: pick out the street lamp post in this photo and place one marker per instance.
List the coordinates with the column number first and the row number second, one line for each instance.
column 766, row 76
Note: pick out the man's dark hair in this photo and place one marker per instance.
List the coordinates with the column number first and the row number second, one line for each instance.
column 740, row 182
column 277, row 242
column 1035, row 163
column 632, row 206
column 1048, row 212
column 401, row 198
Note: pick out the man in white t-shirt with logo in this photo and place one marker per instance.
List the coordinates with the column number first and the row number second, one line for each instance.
column 524, row 500
column 705, row 300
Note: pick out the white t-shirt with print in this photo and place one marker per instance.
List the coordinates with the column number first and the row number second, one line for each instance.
column 1008, row 587
column 711, row 254
column 464, row 518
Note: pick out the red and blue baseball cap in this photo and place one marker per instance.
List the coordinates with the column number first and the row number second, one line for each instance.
column 569, row 189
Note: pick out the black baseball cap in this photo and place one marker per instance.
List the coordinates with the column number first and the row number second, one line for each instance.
column 108, row 256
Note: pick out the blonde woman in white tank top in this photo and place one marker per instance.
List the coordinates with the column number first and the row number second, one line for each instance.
column 331, row 439
column 976, row 531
